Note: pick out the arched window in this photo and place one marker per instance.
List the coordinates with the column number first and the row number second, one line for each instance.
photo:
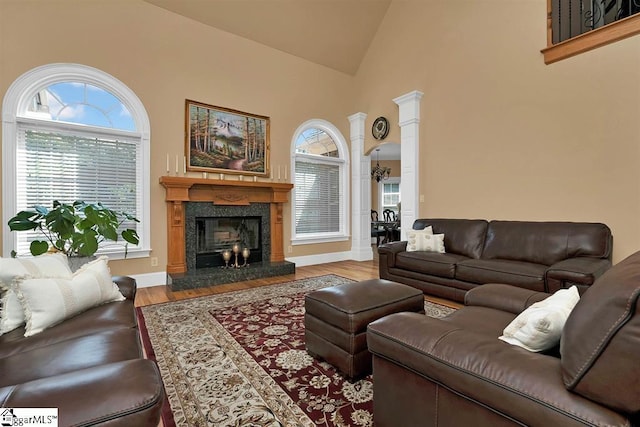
column 319, row 171
column 72, row 132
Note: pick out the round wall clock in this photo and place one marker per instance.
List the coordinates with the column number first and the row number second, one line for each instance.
column 380, row 128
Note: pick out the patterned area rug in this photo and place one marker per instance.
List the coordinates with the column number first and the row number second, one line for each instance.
column 238, row 359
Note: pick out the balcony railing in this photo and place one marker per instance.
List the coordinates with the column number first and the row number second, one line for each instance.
column 575, row 26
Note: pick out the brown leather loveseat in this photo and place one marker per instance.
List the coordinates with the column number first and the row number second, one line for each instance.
column 90, row 367
column 540, row 256
column 455, row 371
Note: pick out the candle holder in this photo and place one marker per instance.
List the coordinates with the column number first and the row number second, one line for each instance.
column 226, row 256
column 236, row 250
column 245, row 255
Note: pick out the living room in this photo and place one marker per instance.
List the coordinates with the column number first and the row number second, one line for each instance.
column 502, row 135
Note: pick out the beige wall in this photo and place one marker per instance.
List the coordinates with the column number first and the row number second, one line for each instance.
column 503, row 136
column 395, row 172
column 165, row 59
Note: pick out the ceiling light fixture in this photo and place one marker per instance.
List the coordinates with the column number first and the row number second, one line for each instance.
column 380, row 172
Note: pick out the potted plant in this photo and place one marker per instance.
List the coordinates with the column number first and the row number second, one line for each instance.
column 74, row 229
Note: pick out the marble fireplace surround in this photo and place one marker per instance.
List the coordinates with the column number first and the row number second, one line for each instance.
column 181, row 190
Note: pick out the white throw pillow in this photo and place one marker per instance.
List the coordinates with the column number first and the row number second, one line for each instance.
column 539, row 327
column 47, row 265
column 414, row 238
column 47, row 302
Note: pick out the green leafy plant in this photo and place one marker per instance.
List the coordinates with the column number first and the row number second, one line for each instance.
column 75, row 229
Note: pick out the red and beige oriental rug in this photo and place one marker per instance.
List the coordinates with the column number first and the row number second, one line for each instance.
column 238, row 359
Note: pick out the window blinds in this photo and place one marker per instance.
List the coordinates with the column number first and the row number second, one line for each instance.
column 67, row 165
column 318, row 195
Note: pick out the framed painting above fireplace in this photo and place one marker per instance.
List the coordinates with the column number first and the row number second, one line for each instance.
column 222, row 140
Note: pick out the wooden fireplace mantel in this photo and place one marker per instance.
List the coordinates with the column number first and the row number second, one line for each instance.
column 220, row 192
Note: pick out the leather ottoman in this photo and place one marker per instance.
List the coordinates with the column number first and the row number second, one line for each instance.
column 336, row 320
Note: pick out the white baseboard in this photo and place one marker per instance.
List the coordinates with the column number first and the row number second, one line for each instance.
column 150, row 279
column 303, row 261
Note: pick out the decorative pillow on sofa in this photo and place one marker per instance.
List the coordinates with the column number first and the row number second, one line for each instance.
column 539, row 327
column 47, row 302
column 47, row 265
column 414, row 238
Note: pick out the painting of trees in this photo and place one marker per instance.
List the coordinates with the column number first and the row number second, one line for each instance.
column 225, row 140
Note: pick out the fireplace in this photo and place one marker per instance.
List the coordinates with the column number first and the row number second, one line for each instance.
column 246, row 212
column 215, row 235
column 210, row 229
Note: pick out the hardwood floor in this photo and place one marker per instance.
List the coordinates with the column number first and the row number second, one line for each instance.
column 356, row 270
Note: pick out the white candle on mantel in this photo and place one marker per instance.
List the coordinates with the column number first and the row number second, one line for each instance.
column 278, row 172
column 184, row 167
column 285, row 172
column 168, row 170
column 176, row 164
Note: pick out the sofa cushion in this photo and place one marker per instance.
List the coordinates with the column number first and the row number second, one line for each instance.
column 600, row 341
column 546, row 242
column 432, row 263
column 70, row 355
column 461, row 236
column 539, row 327
column 518, row 273
column 115, row 315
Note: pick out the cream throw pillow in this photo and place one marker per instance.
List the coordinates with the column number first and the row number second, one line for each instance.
column 539, row 327
column 47, row 302
column 47, row 265
column 414, row 238
column 433, row 243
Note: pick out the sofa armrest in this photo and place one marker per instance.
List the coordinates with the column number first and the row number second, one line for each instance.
column 127, row 285
column 582, row 271
column 388, row 251
column 128, row 393
column 503, row 297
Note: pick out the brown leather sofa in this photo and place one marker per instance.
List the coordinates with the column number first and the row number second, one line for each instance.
column 540, row 256
column 455, row 371
column 90, row 367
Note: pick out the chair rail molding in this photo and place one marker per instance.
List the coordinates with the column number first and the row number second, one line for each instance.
column 361, row 191
column 409, row 121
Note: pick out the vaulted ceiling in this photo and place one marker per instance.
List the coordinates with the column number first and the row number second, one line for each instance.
column 333, row 33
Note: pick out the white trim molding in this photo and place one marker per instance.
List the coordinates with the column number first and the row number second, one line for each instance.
column 303, row 261
column 147, row 280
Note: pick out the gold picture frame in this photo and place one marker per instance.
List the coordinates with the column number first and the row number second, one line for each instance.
column 222, row 140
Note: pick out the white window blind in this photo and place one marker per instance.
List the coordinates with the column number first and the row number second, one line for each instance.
column 56, row 163
column 318, row 195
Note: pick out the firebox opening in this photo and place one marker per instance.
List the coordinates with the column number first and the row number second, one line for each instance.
column 214, row 235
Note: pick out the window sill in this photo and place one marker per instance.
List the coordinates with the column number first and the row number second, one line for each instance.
column 311, row 240
column 114, row 254
column 602, row 36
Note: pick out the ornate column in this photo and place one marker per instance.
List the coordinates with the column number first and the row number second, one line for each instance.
column 360, row 192
column 409, row 121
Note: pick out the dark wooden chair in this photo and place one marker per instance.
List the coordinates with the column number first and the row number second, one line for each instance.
column 392, row 234
column 377, row 231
